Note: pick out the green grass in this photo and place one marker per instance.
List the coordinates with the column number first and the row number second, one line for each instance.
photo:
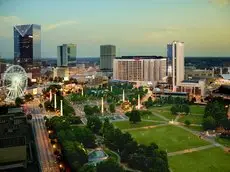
column 127, row 125
column 194, row 119
column 197, row 109
column 223, row 141
column 168, row 137
column 196, row 128
column 111, row 154
column 151, row 117
column 210, row 160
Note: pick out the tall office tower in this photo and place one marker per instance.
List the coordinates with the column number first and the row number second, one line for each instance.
column 107, row 54
column 66, row 55
column 27, row 44
column 139, row 68
column 175, row 52
column 169, row 60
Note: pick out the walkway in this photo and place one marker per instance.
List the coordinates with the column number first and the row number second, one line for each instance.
column 147, row 127
column 191, row 150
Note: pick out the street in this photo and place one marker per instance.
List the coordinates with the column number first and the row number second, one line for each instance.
column 44, row 147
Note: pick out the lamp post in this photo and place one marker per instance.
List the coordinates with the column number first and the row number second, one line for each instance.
column 61, row 108
column 55, row 101
column 51, row 95
column 139, row 102
column 82, row 92
column 123, row 96
column 102, row 105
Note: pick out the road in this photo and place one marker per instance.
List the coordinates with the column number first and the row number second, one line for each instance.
column 44, row 147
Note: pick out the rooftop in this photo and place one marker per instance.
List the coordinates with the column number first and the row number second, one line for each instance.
column 140, row 57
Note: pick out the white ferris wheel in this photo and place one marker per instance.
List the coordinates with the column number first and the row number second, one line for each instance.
column 15, row 82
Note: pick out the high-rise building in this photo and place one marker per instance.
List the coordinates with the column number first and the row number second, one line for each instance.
column 107, row 54
column 175, row 62
column 66, row 55
column 27, row 44
column 139, row 68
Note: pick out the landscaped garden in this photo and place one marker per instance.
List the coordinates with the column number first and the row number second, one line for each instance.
column 170, row 138
column 210, row 160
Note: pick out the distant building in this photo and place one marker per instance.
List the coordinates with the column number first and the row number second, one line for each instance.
column 27, row 44
column 62, row 72
column 198, row 73
column 175, row 62
column 107, row 54
column 194, row 87
column 139, row 68
column 66, row 55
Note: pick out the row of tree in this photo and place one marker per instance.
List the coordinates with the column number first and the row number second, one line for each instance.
column 215, row 115
column 140, row 157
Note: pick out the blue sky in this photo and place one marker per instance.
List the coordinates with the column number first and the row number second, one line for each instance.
column 136, row 27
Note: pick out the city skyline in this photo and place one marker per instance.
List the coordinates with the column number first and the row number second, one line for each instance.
column 137, row 29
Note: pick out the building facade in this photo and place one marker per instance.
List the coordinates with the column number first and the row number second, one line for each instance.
column 146, row 68
column 175, row 52
column 27, row 44
column 66, row 55
column 107, row 54
column 191, row 73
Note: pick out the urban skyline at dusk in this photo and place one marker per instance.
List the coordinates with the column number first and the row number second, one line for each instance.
column 134, row 27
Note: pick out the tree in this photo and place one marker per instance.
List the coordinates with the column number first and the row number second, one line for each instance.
column 187, row 122
column 18, row 101
column 135, row 116
column 87, row 168
column 28, row 97
column 109, row 165
column 209, row 123
column 112, row 108
column 29, row 116
column 40, row 106
column 186, row 109
column 94, row 124
column 174, row 110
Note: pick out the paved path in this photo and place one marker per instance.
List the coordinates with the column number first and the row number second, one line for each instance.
column 191, row 150
column 146, row 127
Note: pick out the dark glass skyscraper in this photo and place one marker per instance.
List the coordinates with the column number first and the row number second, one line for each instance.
column 27, row 44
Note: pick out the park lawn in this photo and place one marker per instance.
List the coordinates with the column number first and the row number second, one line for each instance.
column 194, row 119
column 170, row 138
column 151, row 117
column 197, row 109
column 127, row 125
column 223, row 141
column 166, row 114
column 195, row 128
column 210, row 160
column 164, row 107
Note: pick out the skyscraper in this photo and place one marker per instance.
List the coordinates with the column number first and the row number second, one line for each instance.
column 27, row 44
column 66, row 55
column 107, row 54
column 175, row 61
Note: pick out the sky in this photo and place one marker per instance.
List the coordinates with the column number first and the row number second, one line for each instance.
column 136, row 27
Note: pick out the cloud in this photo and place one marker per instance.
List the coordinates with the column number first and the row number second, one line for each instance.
column 7, row 23
column 221, row 2
column 59, row 24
